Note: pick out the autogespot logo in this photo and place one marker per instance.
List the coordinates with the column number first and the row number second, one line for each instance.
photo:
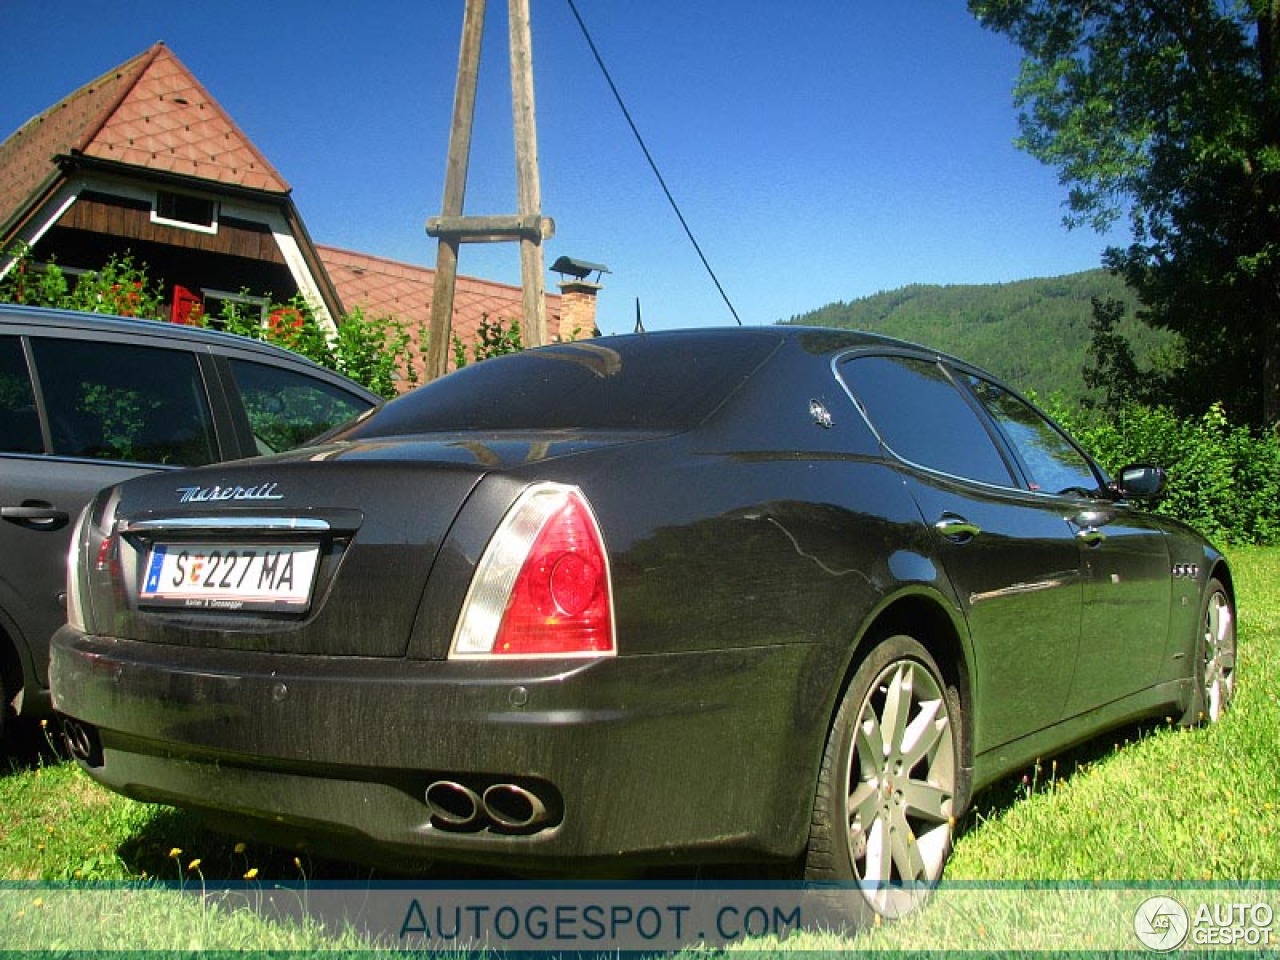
column 1161, row 923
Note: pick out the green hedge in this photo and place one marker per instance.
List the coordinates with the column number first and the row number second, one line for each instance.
column 1224, row 480
column 375, row 351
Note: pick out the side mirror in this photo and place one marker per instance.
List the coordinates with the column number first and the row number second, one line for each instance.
column 1139, row 481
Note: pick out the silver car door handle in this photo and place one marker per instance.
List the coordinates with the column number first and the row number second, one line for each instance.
column 1090, row 536
column 36, row 515
column 957, row 529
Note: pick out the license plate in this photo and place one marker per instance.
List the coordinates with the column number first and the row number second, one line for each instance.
column 210, row 576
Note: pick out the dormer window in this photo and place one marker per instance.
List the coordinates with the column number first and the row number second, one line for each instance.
column 185, row 210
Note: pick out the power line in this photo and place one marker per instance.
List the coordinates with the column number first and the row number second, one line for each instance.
column 652, row 164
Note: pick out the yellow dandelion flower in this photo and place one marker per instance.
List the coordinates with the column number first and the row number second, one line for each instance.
column 239, row 848
column 38, row 902
column 251, row 873
column 193, row 864
column 175, row 853
column 297, row 862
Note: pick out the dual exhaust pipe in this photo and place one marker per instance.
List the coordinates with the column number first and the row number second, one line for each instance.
column 507, row 807
column 82, row 742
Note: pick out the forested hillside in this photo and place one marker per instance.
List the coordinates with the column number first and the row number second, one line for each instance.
column 1034, row 333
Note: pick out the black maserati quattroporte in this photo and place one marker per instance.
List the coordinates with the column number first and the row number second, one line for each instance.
column 775, row 595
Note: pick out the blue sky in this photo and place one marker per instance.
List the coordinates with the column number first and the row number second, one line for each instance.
column 821, row 150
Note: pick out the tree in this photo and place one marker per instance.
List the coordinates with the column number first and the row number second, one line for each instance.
column 1112, row 368
column 1169, row 113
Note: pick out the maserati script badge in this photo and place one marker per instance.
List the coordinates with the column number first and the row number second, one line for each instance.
column 261, row 491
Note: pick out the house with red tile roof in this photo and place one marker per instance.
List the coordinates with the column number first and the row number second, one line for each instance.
column 389, row 288
column 143, row 160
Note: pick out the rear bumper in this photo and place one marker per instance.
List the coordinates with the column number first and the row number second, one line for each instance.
column 677, row 757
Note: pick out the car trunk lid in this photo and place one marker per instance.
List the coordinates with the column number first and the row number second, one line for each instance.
column 284, row 557
column 325, row 550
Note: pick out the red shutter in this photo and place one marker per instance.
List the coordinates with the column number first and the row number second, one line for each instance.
column 186, row 306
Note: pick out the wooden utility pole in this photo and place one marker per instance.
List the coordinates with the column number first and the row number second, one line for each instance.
column 528, row 226
column 528, row 187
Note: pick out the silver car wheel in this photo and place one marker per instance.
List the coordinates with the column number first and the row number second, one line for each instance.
column 1219, row 676
column 901, row 783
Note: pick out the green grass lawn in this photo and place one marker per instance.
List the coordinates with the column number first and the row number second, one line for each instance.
column 1149, row 805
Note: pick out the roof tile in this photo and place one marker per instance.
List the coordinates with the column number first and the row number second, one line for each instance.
column 169, row 121
column 150, row 112
column 26, row 157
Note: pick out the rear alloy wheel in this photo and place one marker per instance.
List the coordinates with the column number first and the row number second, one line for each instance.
column 891, row 785
column 1216, row 657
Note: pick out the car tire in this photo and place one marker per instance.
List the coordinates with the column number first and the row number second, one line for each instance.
column 890, row 788
column 6, row 714
column 1214, row 677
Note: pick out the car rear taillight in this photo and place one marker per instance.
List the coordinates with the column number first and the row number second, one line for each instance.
column 94, row 552
column 76, row 587
column 542, row 587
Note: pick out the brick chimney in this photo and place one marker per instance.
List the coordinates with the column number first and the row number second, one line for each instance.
column 578, row 310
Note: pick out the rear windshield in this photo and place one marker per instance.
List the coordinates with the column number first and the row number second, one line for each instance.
column 651, row 382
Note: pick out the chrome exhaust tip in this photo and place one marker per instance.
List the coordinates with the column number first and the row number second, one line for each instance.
column 453, row 804
column 513, row 807
column 82, row 742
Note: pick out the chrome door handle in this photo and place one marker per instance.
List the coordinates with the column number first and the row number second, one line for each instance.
column 35, row 515
column 957, row 529
column 1090, row 536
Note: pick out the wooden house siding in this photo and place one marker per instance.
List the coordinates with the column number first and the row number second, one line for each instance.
column 131, row 219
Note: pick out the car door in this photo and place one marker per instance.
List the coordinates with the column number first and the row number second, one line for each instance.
column 39, row 507
column 105, row 412
column 1124, row 555
column 1128, row 599
column 1010, row 556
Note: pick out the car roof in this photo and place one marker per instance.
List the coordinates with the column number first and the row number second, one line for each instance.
column 52, row 320
column 819, row 340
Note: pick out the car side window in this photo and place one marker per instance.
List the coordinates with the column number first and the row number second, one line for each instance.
column 19, row 419
column 922, row 417
column 115, row 401
column 287, row 408
column 1052, row 463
